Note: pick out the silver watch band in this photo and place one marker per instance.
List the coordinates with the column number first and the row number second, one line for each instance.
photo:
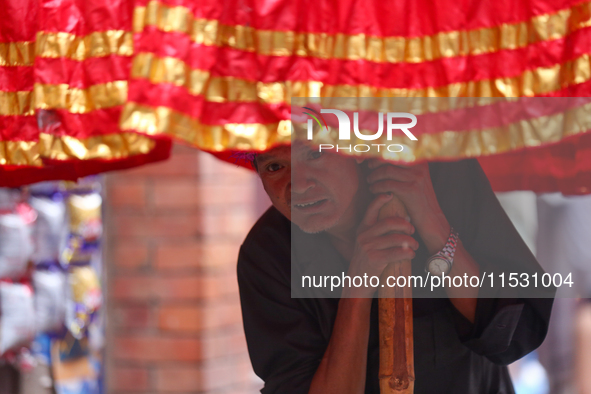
column 449, row 250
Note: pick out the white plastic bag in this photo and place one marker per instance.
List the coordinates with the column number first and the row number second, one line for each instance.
column 17, row 321
column 50, row 300
column 16, row 246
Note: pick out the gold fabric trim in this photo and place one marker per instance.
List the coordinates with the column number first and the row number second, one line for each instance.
column 61, row 44
column 80, row 101
column 20, row 53
column 444, row 145
column 97, row 44
column 110, row 146
column 355, row 47
column 16, row 103
column 164, row 121
column 477, row 143
column 20, row 153
column 539, row 81
column 63, row 96
column 170, row 70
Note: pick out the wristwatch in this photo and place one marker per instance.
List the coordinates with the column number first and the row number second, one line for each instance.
column 441, row 262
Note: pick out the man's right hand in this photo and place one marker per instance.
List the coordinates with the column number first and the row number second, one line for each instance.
column 379, row 243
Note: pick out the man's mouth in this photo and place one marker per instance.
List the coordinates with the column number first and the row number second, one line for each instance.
column 310, row 204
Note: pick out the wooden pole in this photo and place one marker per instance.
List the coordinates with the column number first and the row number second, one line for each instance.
column 397, row 374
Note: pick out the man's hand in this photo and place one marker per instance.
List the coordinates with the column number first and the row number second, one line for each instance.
column 378, row 244
column 414, row 188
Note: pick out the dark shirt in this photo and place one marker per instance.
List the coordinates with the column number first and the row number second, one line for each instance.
column 287, row 337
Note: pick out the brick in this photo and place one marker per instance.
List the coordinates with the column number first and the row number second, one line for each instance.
column 219, row 315
column 178, row 256
column 219, row 375
column 220, row 254
column 144, row 288
column 213, row 169
column 211, row 253
column 131, row 317
column 220, row 285
column 235, row 371
column 176, row 193
column 130, row 193
column 180, row 318
column 233, row 222
column 155, row 348
column 173, row 294
column 185, row 163
column 162, row 225
column 129, row 255
column 218, row 344
column 179, row 379
column 128, row 378
column 240, row 193
column 214, row 315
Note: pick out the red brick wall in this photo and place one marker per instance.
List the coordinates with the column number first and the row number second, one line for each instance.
column 173, row 230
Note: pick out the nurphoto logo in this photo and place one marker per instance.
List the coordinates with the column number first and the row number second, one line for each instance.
column 345, row 129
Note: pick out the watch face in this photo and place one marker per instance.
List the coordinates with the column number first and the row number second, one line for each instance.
column 437, row 266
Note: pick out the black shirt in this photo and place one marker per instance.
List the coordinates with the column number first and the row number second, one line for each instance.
column 287, row 337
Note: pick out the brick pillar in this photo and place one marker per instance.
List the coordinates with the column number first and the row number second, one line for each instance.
column 173, row 230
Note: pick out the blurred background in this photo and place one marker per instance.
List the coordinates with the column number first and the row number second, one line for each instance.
column 126, row 283
column 163, row 239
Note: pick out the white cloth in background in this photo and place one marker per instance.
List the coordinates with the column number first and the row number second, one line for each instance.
column 521, row 209
column 563, row 245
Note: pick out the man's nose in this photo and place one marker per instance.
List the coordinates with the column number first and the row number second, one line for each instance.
column 301, row 182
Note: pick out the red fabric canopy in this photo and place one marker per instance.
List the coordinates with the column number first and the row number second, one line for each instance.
column 64, row 67
column 88, row 86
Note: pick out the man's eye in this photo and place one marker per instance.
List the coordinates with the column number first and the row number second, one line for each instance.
column 274, row 167
column 315, row 154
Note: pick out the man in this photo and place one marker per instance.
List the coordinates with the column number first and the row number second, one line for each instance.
column 328, row 345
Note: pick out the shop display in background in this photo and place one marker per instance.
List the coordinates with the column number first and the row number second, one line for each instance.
column 51, row 330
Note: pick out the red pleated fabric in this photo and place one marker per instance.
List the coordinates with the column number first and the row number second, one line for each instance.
column 113, row 81
column 64, row 68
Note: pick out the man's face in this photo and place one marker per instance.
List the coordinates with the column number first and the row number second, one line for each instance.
column 314, row 190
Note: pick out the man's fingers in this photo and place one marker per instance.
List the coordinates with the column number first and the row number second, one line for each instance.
column 387, row 225
column 375, row 163
column 373, row 211
column 394, row 255
column 387, row 186
column 393, row 241
column 393, row 172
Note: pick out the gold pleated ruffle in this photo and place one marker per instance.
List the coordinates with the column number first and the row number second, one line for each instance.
column 20, row 53
column 66, row 45
column 362, row 47
column 110, row 146
column 80, row 48
column 452, row 144
column 165, row 121
column 20, row 153
column 16, row 103
column 537, row 81
column 80, row 101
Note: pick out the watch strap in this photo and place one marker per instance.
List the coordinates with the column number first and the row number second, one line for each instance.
column 449, row 250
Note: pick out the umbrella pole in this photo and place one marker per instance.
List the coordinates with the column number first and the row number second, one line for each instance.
column 396, row 374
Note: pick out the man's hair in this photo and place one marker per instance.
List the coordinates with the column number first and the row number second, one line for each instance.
column 250, row 157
